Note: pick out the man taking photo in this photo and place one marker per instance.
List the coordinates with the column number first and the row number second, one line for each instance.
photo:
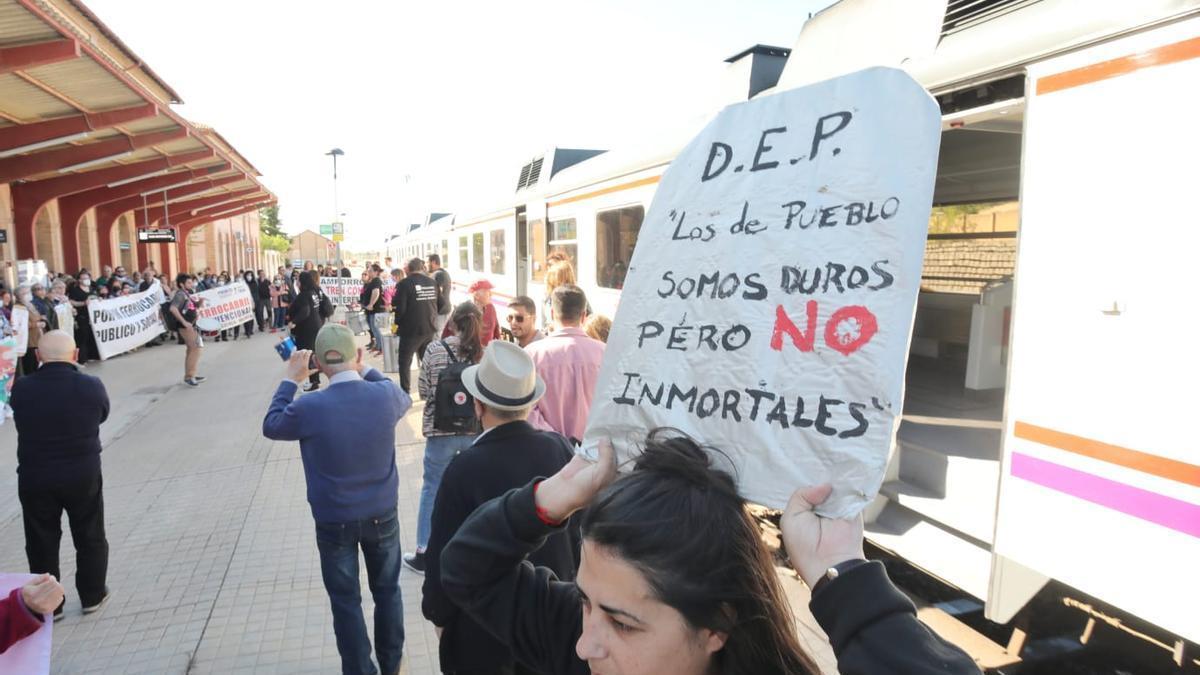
column 347, row 435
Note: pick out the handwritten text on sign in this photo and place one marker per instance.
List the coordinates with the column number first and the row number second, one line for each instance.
column 770, row 298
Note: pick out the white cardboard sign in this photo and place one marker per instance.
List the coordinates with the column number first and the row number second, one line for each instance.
column 125, row 322
column 769, row 302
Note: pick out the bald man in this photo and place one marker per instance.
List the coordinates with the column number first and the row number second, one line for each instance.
column 58, row 411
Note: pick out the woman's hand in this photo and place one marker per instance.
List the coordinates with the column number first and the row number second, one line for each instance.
column 577, row 483
column 815, row 543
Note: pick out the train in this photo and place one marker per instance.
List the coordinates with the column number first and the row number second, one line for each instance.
column 1049, row 371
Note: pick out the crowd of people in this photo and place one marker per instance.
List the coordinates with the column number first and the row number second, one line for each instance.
column 535, row 559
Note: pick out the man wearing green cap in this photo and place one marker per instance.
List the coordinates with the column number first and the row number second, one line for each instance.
column 347, row 435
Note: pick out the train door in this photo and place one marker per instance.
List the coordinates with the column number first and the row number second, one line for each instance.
column 522, row 266
column 1100, row 478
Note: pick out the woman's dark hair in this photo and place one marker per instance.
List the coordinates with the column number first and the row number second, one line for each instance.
column 468, row 320
column 309, row 281
column 682, row 524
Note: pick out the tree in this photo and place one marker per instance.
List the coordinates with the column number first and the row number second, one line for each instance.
column 274, row 242
column 268, row 221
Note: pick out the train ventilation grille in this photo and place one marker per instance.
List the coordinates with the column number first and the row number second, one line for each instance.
column 530, row 174
column 964, row 14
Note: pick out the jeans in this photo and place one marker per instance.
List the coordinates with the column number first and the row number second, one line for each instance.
column 439, row 450
column 338, row 544
column 279, row 312
column 373, row 328
column 41, row 509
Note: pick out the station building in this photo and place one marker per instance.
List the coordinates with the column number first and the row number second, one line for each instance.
column 92, row 156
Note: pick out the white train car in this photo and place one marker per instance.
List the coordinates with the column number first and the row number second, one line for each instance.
column 1048, row 377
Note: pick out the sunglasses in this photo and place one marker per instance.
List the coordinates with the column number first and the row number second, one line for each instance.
column 516, row 317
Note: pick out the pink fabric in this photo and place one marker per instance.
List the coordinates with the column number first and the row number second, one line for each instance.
column 568, row 361
column 30, row 655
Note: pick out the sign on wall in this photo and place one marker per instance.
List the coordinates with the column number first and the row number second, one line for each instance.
column 769, row 301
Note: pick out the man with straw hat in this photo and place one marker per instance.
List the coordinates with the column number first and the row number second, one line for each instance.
column 508, row 454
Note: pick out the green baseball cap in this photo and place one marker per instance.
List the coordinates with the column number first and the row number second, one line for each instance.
column 337, row 339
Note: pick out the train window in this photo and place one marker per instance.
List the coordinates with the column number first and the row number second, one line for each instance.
column 477, row 251
column 562, row 235
column 462, row 254
column 616, row 233
column 497, row 252
column 444, row 251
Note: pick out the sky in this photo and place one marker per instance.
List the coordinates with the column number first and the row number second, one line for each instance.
column 436, row 105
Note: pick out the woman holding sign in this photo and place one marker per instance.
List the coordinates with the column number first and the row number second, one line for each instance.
column 675, row 577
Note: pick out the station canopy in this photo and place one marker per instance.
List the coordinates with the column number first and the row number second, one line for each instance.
column 84, row 118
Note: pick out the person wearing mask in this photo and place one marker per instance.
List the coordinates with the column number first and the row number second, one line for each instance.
column 350, row 471
column 106, row 273
column 78, row 296
column 442, row 279
column 262, row 301
column 569, row 362
column 307, row 316
column 522, row 321
column 415, row 306
column 441, row 445
column 372, row 305
column 58, row 466
column 654, row 595
column 45, row 306
column 508, row 454
column 227, row 334
column 38, row 324
column 280, row 298
column 25, row 609
column 251, row 282
column 183, row 309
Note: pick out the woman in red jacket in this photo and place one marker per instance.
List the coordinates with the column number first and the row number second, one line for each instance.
column 25, row 609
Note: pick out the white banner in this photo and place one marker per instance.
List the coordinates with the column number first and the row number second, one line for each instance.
column 342, row 290
column 769, row 302
column 20, row 324
column 230, row 305
column 125, row 322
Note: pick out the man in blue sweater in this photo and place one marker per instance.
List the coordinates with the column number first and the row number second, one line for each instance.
column 347, row 437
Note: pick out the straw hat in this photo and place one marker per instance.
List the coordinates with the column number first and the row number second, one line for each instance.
column 505, row 378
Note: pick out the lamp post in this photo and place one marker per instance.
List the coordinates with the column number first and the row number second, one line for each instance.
column 335, row 153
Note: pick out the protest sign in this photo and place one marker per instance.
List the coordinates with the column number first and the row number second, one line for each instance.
column 231, row 305
column 125, row 322
column 65, row 314
column 8, row 370
column 31, row 655
column 769, row 301
column 20, row 324
column 343, row 291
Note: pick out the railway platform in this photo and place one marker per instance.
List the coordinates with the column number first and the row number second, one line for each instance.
column 213, row 565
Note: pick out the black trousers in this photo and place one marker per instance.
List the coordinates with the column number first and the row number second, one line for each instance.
column 262, row 312
column 410, row 345
column 41, row 509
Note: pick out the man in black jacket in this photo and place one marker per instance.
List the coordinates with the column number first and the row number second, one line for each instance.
column 58, row 466
column 262, row 302
column 415, row 305
column 509, row 453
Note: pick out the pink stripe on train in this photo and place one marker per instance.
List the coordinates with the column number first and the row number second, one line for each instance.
column 1166, row 511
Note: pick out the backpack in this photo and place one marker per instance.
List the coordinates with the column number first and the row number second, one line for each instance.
column 326, row 307
column 453, row 405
